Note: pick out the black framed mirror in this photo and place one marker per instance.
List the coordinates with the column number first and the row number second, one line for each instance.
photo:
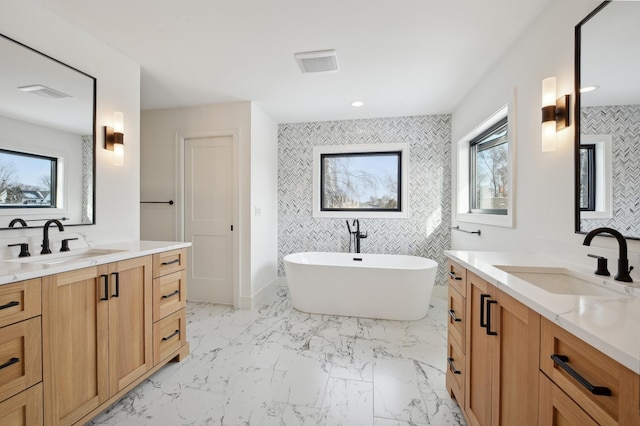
column 607, row 87
column 47, row 139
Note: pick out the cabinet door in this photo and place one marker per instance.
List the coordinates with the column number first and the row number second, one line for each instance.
column 130, row 322
column 479, row 349
column 75, row 316
column 516, row 361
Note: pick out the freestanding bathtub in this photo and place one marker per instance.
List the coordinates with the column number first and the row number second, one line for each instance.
column 382, row 286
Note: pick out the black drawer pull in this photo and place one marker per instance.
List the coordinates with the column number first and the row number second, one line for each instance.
column 117, row 293
column 489, row 303
column 9, row 305
column 171, row 335
column 166, row 296
column 105, row 281
column 452, row 367
column 10, row 362
column 171, row 262
column 452, row 314
column 454, row 276
column 483, row 322
column 562, row 361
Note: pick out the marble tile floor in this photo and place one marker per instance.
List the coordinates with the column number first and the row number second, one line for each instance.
column 274, row 365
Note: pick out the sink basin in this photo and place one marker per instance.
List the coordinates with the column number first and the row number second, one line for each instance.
column 560, row 281
column 70, row 256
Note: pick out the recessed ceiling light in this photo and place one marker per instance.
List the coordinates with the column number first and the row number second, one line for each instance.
column 588, row 89
column 357, row 103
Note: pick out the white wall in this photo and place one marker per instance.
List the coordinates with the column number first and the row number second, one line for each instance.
column 264, row 201
column 118, row 89
column 544, row 210
column 257, row 183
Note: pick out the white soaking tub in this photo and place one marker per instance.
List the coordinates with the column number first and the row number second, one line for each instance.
column 382, row 286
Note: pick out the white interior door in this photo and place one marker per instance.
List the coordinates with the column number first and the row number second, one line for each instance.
column 208, row 218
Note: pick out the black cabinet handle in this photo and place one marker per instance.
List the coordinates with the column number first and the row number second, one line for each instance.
column 10, row 362
column 454, row 276
column 452, row 367
column 9, row 305
column 483, row 322
column 562, row 361
column 489, row 303
column 171, row 262
column 166, row 296
column 105, row 281
column 452, row 314
column 117, row 293
column 171, row 335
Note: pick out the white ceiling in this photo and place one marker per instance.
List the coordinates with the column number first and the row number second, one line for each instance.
column 401, row 57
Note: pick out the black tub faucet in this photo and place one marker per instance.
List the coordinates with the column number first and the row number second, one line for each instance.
column 45, row 239
column 356, row 235
column 623, row 261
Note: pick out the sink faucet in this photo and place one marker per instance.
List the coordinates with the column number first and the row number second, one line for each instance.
column 356, row 235
column 45, row 239
column 623, row 261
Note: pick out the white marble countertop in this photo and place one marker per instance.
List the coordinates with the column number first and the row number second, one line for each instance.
column 611, row 324
column 19, row 269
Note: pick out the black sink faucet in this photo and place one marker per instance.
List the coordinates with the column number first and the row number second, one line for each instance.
column 45, row 238
column 623, row 261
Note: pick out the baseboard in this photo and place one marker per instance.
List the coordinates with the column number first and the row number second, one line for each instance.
column 249, row 302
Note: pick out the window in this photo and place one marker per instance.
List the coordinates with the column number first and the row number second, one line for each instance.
column 588, row 177
column 361, row 180
column 27, row 180
column 486, row 167
column 489, row 170
column 367, row 181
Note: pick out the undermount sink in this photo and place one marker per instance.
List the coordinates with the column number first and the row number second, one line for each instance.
column 58, row 258
column 560, row 281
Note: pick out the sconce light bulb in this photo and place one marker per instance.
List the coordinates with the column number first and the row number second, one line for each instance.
column 118, row 122
column 118, row 154
column 548, row 136
column 548, row 91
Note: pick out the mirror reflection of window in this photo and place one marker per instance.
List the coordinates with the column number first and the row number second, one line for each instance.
column 27, row 180
column 587, row 177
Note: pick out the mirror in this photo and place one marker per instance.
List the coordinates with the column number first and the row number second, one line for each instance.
column 47, row 139
column 607, row 140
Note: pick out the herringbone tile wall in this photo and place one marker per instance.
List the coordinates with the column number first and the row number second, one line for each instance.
column 426, row 232
column 622, row 122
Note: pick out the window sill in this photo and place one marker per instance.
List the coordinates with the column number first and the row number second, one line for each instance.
column 505, row 221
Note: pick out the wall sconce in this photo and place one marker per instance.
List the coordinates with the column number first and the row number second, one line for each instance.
column 114, row 138
column 555, row 114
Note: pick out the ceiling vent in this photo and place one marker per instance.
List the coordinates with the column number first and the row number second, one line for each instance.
column 317, row 61
column 44, row 91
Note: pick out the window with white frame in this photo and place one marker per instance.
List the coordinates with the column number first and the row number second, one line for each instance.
column 485, row 171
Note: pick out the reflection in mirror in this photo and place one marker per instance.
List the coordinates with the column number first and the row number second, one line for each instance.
column 608, row 185
column 47, row 134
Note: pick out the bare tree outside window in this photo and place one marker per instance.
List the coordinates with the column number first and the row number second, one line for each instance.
column 26, row 180
column 361, row 181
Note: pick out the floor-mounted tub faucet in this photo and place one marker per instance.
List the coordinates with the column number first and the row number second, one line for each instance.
column 355, row 236
column 623, row 261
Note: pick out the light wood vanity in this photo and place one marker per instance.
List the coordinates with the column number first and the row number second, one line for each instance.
column 509, row 365
column 73, row 343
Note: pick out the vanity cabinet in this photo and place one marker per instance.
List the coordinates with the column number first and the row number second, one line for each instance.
column 20, row 354
column 502, row 357
column 456, row 322
column 97, row 336
column 169, row 301
column 604, row 390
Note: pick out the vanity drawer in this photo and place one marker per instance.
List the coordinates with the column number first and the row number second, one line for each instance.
column 456, row 316
column 169, row 294
column 23, row 409
column 19, row 301
column 455, row 371
column 457, row 277
column 557, row 409
column 20, row 357
column 597, row 369
column 169, row 335
column 169, row 262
